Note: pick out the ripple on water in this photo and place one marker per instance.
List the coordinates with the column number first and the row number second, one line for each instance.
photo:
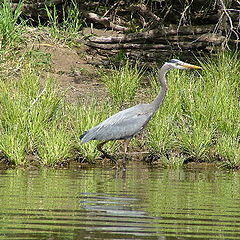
column 143, row 203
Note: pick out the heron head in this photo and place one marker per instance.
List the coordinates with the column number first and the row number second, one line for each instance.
column 175, row 63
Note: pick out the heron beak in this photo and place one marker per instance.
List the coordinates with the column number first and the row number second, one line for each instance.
column 187, row 65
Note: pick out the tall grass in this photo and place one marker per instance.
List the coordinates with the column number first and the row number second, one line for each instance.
column 198, row 121
column 10, row 30
column 68, row 27
column 122, row 83
column 29, row 120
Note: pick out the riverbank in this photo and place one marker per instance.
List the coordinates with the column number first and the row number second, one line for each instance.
column 52, row 91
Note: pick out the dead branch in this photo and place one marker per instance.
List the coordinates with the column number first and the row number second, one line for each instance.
column 145, row 12
column 104, row 21
column 127, row 46
column 230, row 22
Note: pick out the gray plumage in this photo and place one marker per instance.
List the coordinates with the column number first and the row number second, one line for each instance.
column 125, row 124
column 117, row 126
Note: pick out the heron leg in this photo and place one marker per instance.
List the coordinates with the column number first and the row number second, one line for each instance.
column 105, row 154
column 126, row 143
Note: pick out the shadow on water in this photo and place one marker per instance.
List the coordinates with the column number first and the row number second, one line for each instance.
column 98, row 203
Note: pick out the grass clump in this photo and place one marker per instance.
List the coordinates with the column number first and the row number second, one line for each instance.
column 10, row 30
column 29, row 116
column 68, row 27
column 123, row 83
column 228, row 149
column 56, row 146
column 13, row 145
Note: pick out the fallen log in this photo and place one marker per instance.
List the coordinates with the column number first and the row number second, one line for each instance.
column 176, row 45
column 153, row 34
column 127, row 46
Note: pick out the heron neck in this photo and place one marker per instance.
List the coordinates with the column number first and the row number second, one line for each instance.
column 163, row 82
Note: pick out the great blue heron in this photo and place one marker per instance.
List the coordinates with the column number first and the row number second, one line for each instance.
column 127, row 123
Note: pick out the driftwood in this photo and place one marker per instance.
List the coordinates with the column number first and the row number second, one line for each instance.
column 204, row 25
column 176, row 45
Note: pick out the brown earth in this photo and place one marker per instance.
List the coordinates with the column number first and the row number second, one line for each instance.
column 75, row 69
column 74, row 73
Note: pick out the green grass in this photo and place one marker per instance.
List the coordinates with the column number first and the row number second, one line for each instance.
column 30, row 117
column 68, row 28
column 56, row 147
column 123, row 83
column 198, row 121
column 10, row 30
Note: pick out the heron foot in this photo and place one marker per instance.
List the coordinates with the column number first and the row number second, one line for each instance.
column 105, row 154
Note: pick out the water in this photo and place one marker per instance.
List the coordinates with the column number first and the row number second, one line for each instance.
column 98, row 203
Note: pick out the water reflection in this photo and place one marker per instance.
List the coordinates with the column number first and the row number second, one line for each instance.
column 98, row 203
column 117, row 213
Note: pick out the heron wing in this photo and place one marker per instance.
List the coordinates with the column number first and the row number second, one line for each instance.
column 121, row 125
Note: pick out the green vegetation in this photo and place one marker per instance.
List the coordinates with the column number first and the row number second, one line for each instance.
column 27, row 112
column 10, row 30
column 123, row 83
column 199, row 120
column 67, row 29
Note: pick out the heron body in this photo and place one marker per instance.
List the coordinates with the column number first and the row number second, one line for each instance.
column 122, row 125
column 127, row 123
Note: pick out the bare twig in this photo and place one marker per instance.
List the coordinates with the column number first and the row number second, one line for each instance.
column 183, row 16
column 145, row 11
column 111, row 8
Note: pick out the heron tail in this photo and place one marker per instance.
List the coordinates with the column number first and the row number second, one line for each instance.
column 83, row 137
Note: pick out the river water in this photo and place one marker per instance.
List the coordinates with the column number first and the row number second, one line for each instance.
column 101, row 203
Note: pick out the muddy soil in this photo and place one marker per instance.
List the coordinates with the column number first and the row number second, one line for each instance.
column 76, row 70
column 73, row 72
